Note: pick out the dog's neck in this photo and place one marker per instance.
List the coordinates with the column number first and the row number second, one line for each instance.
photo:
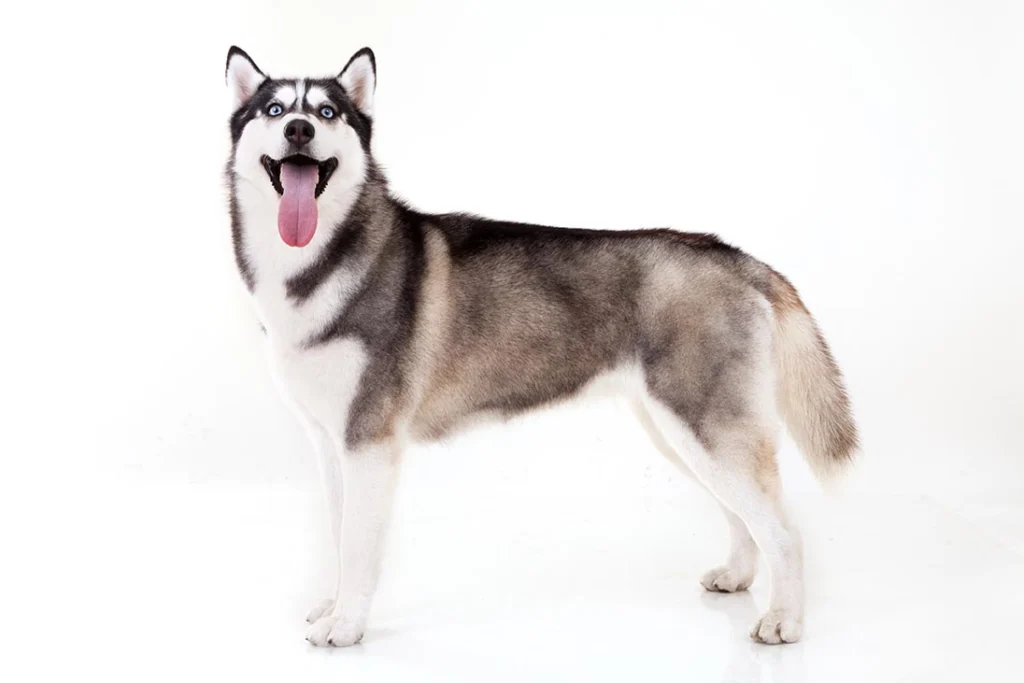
column 299, row 291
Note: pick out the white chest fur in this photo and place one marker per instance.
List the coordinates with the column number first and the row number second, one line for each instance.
column 319, row 381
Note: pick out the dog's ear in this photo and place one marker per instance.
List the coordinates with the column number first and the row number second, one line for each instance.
column 359, row 78
column 243, row 76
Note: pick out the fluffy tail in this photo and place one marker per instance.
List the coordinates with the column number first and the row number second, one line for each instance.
column 809, row 386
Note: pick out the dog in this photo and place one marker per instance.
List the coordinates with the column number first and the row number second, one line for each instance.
column 386, row 326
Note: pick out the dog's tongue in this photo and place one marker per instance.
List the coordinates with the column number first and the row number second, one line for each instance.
column 296, row 218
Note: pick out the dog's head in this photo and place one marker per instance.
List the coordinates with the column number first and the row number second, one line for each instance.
column 303, row 142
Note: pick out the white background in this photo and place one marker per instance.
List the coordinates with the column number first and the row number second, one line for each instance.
column 160, row 513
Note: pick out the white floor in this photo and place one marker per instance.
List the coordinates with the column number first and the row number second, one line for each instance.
column 505, row 568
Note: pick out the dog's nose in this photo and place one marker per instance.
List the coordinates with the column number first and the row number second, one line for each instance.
column 298, row 132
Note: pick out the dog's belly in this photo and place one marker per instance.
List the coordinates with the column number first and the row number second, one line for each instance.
column 319, row 383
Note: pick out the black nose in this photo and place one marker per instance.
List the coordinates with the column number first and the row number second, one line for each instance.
column 298, row 132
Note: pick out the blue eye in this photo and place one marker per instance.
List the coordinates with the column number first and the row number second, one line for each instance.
column 275, row 110
column 327, row 112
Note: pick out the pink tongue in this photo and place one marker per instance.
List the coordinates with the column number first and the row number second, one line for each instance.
column 296, row 218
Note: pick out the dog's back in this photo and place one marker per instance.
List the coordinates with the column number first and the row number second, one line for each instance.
column 535, row 313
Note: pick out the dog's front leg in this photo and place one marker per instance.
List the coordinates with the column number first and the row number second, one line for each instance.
column 329, row 464
column 370, row 475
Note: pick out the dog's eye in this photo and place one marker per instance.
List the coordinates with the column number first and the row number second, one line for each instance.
column 327, row 112
column 275, row 110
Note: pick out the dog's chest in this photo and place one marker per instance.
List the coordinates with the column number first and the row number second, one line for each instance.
column 321, row 382
column 320, row 379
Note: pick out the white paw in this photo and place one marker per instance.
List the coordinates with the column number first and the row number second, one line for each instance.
column 331, row 631
column 727, row 580
column 777, row 626
column 325, row 607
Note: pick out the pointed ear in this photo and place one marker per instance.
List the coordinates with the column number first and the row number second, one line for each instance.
column 243, row 76
column 359, row 79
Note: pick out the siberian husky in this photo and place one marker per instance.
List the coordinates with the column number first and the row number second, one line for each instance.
column 385, row 325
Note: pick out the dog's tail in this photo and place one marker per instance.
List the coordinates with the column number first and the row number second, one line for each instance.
column 809, row 386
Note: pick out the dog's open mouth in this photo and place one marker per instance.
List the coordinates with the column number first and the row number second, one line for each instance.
column 325, row 169
column 299, row 180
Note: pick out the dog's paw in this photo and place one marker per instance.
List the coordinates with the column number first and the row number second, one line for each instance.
column 777, row 626
column 727, row 580
column 333, row 631
column 325, row 607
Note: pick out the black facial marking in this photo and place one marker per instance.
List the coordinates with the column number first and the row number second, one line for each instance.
column 259, row 102
column 343, row 106
column 337, row 98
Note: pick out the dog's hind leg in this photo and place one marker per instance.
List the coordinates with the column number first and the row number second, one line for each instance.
column 740, row 568
column 749, row 486
column 739, row 468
